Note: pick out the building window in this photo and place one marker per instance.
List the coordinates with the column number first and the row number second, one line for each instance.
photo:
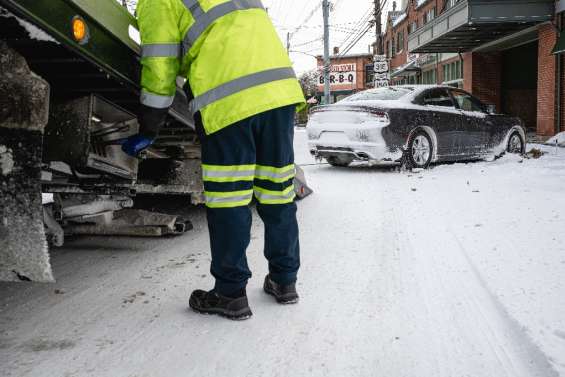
column 369, row 74
column 393, row 49
column 429, row 15
column 400, row 42
column 453, row 71
column 452, row 3
column 413, row 27
column 429, row 77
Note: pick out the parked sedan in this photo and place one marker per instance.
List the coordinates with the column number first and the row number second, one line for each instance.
column 412, row 125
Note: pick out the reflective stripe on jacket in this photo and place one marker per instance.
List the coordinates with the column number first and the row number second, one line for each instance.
column 228, row 50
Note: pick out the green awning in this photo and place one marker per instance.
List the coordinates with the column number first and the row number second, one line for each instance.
column 560, row 45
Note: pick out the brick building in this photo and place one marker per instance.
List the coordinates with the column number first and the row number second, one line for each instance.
column 509, row 53
column 348, row 74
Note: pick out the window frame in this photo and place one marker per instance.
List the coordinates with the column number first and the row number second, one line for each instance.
column 482, row 106
column 421, row 99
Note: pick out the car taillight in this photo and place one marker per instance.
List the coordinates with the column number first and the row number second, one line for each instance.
column 381, row 115
column 374, row 116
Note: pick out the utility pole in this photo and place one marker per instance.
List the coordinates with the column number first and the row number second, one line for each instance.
column 378, row 27
column 326, row 11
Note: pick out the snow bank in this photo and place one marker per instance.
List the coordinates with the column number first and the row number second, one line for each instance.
column 558, row 139
column 47, row 198
column 6, row 160
column 33, row 31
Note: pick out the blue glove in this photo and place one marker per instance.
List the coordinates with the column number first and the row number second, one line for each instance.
column 135, row 144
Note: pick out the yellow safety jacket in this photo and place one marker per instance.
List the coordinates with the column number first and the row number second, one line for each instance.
column 229, row 52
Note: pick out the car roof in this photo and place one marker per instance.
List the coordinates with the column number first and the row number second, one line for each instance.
column 416, row 88
column 422, row 86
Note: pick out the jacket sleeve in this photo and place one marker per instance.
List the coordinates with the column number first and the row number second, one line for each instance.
column 160, row 61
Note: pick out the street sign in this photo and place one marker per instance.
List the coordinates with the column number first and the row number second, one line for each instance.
column 381, row 83
column 381, row 64
column 382, row 76
column 381, row 71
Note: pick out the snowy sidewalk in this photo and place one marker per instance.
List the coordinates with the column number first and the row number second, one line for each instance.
column 455, row 271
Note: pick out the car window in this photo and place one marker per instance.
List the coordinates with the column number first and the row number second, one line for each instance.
column 437, row 97
column 381, row 94
column 467, row 102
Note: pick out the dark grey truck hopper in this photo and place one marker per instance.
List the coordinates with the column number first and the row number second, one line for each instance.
column 107, row 64
column 105, row 68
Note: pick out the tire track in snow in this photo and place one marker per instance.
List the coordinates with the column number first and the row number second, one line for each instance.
column 475, row 336
column 539, row 363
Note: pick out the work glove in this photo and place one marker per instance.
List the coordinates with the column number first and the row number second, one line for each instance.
column 135, row 144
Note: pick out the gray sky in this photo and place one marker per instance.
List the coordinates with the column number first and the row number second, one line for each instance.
column 345, row 19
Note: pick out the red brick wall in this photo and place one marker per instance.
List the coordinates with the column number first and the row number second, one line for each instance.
column 413, row 15
column 485, row 79
column 546, row 80
column 562, row 92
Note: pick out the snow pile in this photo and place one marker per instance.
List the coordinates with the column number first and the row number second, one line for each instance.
column 33, row 31
column 47, row 198
column 6, row 160
column 558, row 139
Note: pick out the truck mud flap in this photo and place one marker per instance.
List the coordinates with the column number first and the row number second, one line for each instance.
column 24, row 103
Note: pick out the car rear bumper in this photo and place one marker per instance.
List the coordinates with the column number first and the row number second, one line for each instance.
column 360, row 151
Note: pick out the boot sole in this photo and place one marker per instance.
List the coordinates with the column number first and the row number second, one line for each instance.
column 280, row 299
column 240, row 315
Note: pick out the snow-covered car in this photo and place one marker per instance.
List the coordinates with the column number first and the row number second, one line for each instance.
column 413, row 125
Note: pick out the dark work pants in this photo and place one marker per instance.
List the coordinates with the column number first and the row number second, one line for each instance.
column 251, row 157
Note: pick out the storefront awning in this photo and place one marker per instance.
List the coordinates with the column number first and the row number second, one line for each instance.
column 560, row 45
column 472, row 23
column 407, row 69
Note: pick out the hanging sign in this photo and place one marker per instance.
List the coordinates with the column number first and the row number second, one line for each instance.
column 340, row 74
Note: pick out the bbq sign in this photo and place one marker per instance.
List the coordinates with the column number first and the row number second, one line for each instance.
column 341, row 74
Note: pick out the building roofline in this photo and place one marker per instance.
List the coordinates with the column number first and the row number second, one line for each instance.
column 364, row 55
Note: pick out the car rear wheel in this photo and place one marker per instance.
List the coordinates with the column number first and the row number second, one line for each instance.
column 340, row 161
column 515, row 143
column 419, row 152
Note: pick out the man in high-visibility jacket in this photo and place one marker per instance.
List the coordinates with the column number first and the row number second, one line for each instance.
column 245, row 94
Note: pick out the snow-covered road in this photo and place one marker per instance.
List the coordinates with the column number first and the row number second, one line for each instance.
column 455, row 271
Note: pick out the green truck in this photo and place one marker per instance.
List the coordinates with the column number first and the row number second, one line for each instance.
column 69, row 89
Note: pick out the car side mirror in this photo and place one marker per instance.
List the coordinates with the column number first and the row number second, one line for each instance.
column 490, row 109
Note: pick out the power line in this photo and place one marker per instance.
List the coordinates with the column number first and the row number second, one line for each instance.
column 354, row 43
column 306, row 19
column 359, row 29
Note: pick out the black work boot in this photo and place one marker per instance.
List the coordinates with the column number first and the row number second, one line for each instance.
column 284, row 294
column 214, row 303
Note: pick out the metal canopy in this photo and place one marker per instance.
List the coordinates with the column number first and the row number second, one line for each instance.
column 406, row 70
column 473, row 23
column 560, row 45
